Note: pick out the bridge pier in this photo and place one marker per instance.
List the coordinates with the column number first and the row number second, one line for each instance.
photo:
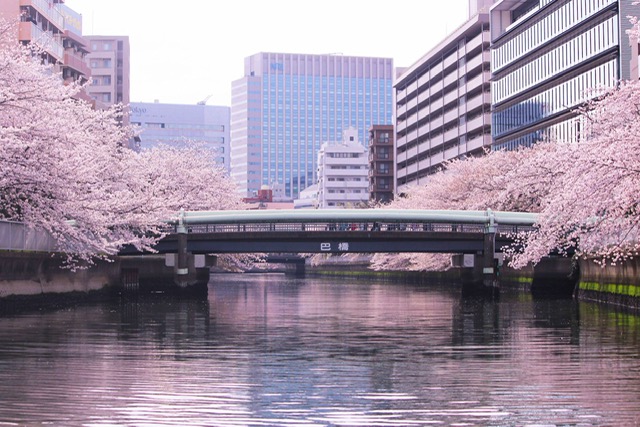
column 489, row 271
column 182, row 267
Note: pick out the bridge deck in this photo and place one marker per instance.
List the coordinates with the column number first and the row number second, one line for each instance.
column 343, row 230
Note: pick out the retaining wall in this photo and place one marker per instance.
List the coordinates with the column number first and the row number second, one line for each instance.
column 614, row 284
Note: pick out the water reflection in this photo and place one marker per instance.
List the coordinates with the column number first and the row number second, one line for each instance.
column 269, row 351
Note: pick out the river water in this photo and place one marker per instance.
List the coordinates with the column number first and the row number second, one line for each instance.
column 268, row 350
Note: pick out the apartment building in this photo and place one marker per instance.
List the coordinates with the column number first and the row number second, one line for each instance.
column 381, row 163
column 343, row 173
column 286, row 105
column 443, row 101
column 57, row 29
column 109, row 60
column 545, row 55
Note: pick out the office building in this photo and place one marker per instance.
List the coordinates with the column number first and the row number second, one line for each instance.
column 286, row 105
column 173, row 124
column 545, row 55
column 381, row 163
column 109, row 61
column 443, row 101
column 343, row 173
column 57, row 29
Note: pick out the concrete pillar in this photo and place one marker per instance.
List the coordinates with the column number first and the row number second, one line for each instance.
column 489, row 273
column 182, row 267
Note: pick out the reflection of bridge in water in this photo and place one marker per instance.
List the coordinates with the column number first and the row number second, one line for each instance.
column 482, row 233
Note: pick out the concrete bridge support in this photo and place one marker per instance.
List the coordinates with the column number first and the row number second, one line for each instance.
column 489, row 267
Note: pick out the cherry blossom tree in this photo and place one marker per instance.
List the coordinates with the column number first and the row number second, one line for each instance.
column 500, row 180
column 64, row 167
column 593, row 208
column 587, row 192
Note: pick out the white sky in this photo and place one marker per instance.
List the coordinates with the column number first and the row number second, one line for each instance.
column 183, row 52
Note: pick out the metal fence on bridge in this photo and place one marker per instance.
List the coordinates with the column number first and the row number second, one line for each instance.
column 437, row 227
column 15, row 236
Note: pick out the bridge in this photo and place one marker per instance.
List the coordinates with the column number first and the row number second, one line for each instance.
column 342, row 231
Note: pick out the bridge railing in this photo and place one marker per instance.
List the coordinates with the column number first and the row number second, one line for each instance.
column 436, row 227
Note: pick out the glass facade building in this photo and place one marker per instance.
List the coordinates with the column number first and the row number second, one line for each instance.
column 545, row 56
column 287, row 105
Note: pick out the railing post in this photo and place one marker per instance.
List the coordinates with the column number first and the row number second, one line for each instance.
column 182, row 269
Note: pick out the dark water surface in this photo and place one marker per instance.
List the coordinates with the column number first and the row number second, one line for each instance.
column 275, row 351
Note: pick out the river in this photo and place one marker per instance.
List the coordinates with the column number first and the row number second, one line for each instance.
column 270, row 350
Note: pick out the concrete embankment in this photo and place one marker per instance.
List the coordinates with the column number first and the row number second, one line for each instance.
column 38, row 278
column 614, row 284
column 559, row 277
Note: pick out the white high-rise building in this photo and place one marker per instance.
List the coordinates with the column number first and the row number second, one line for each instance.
column 343, row 173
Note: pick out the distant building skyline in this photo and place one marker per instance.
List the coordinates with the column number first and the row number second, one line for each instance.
column 173, row 124
column 286, row 105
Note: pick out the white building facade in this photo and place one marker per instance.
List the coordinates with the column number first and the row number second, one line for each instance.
column 546, row 54
column 443, row 101
column 343, row 173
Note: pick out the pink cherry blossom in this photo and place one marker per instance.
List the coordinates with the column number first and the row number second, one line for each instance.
column 64, row 167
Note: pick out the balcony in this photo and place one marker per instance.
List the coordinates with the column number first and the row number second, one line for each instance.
column 477, row 81
column 342, row 185
column 479, row 142
column 48, row 10
column 379, row 156
column 451, row 115
column 475, row 42
column 451, row 97
column 72, row 60
column 411, row 120
column 450, row 60
column 450, row 78
column 30, row 32
column 436, row 88
column 451, row 134
column 478, row 122
column 452, row 153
